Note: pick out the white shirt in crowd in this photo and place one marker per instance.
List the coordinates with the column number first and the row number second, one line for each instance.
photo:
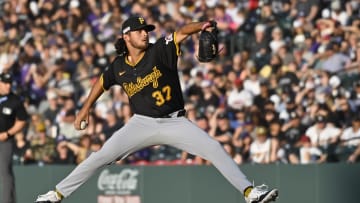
column 352, row 136
column 239, row 99
column 260, row 151
column 322, row 137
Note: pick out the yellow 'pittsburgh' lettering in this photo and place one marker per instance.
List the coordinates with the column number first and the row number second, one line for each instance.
column 132, row 88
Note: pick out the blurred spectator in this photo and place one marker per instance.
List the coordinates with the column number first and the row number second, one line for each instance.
column 334, row 61
column 343, row 114
column 252, row 82
column 308, row 153
column 270, row 116
column 236, row 13
column 280, row 8
column 242, row 139
column 62, row 154
column 42, row 146
column 337, row 13
column 238, row 65
column 65, row 121
column 349, row 139
column 9, row 53
column 277, row 40
column 111, row 124
column 238, row 97
column 52, row 108
column 323, row 135
column 224, row 21
column 209, row 98
column 35, row 81
column 308, row 9
column 354, row 99
column 82, row 149
column 289, row 107
column 263, row 97
column 35, row 119
column 272, row 68
column 292, row 130
column 194, row 92
column 22, row 151
column 287, row 79
column 258, row 46
column 267, row 16
column 279, row 154
column 61, row 80
column 260, row 148
column 221, row 129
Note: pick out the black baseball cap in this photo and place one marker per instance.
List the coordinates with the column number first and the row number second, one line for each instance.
column 136, row 23
column 6, row 77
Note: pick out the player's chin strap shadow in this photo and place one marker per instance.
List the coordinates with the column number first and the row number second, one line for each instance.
column 202, row 60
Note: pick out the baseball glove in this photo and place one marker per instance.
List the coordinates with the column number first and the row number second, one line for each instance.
column 208, row 44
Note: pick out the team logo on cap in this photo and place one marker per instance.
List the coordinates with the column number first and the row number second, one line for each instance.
column 141, row 20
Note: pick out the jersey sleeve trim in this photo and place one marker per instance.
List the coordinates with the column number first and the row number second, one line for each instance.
column 102, row 82
column 178, row 52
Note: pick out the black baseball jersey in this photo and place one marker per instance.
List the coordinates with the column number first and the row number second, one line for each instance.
column 152, row 84
column 11, row 108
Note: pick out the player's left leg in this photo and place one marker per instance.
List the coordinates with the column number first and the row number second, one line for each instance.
column 185, row 135
column 135, row 135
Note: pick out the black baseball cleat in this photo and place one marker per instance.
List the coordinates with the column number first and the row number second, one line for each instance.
column 49, row 197
column 261, row 194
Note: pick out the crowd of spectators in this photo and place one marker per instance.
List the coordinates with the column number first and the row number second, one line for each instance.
column 285, row 87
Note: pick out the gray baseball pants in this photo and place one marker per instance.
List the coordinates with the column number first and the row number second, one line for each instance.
column 6, row 172
column 142, row 131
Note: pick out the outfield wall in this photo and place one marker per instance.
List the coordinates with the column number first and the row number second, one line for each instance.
column 325, row 183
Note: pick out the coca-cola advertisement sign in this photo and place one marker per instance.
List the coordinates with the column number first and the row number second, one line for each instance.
column 124, row 182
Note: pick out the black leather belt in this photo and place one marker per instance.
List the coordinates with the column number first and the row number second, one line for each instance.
column 175, row 114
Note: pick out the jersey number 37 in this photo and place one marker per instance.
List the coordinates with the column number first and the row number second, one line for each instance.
column 162, row 95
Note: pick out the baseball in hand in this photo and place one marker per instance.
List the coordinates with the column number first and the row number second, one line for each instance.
column 83, row 125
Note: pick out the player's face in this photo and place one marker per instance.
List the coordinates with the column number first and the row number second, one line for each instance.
column 5, row 88
column 139, row 39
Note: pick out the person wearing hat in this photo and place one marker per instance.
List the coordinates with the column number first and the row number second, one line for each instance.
column 260, row 148
column 148, row 74
column 309, row 154
column 238, row 97
column 323, row 134
column 13, row 118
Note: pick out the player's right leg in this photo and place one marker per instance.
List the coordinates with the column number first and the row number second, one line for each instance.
column 135, row 135
column 196, row 141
